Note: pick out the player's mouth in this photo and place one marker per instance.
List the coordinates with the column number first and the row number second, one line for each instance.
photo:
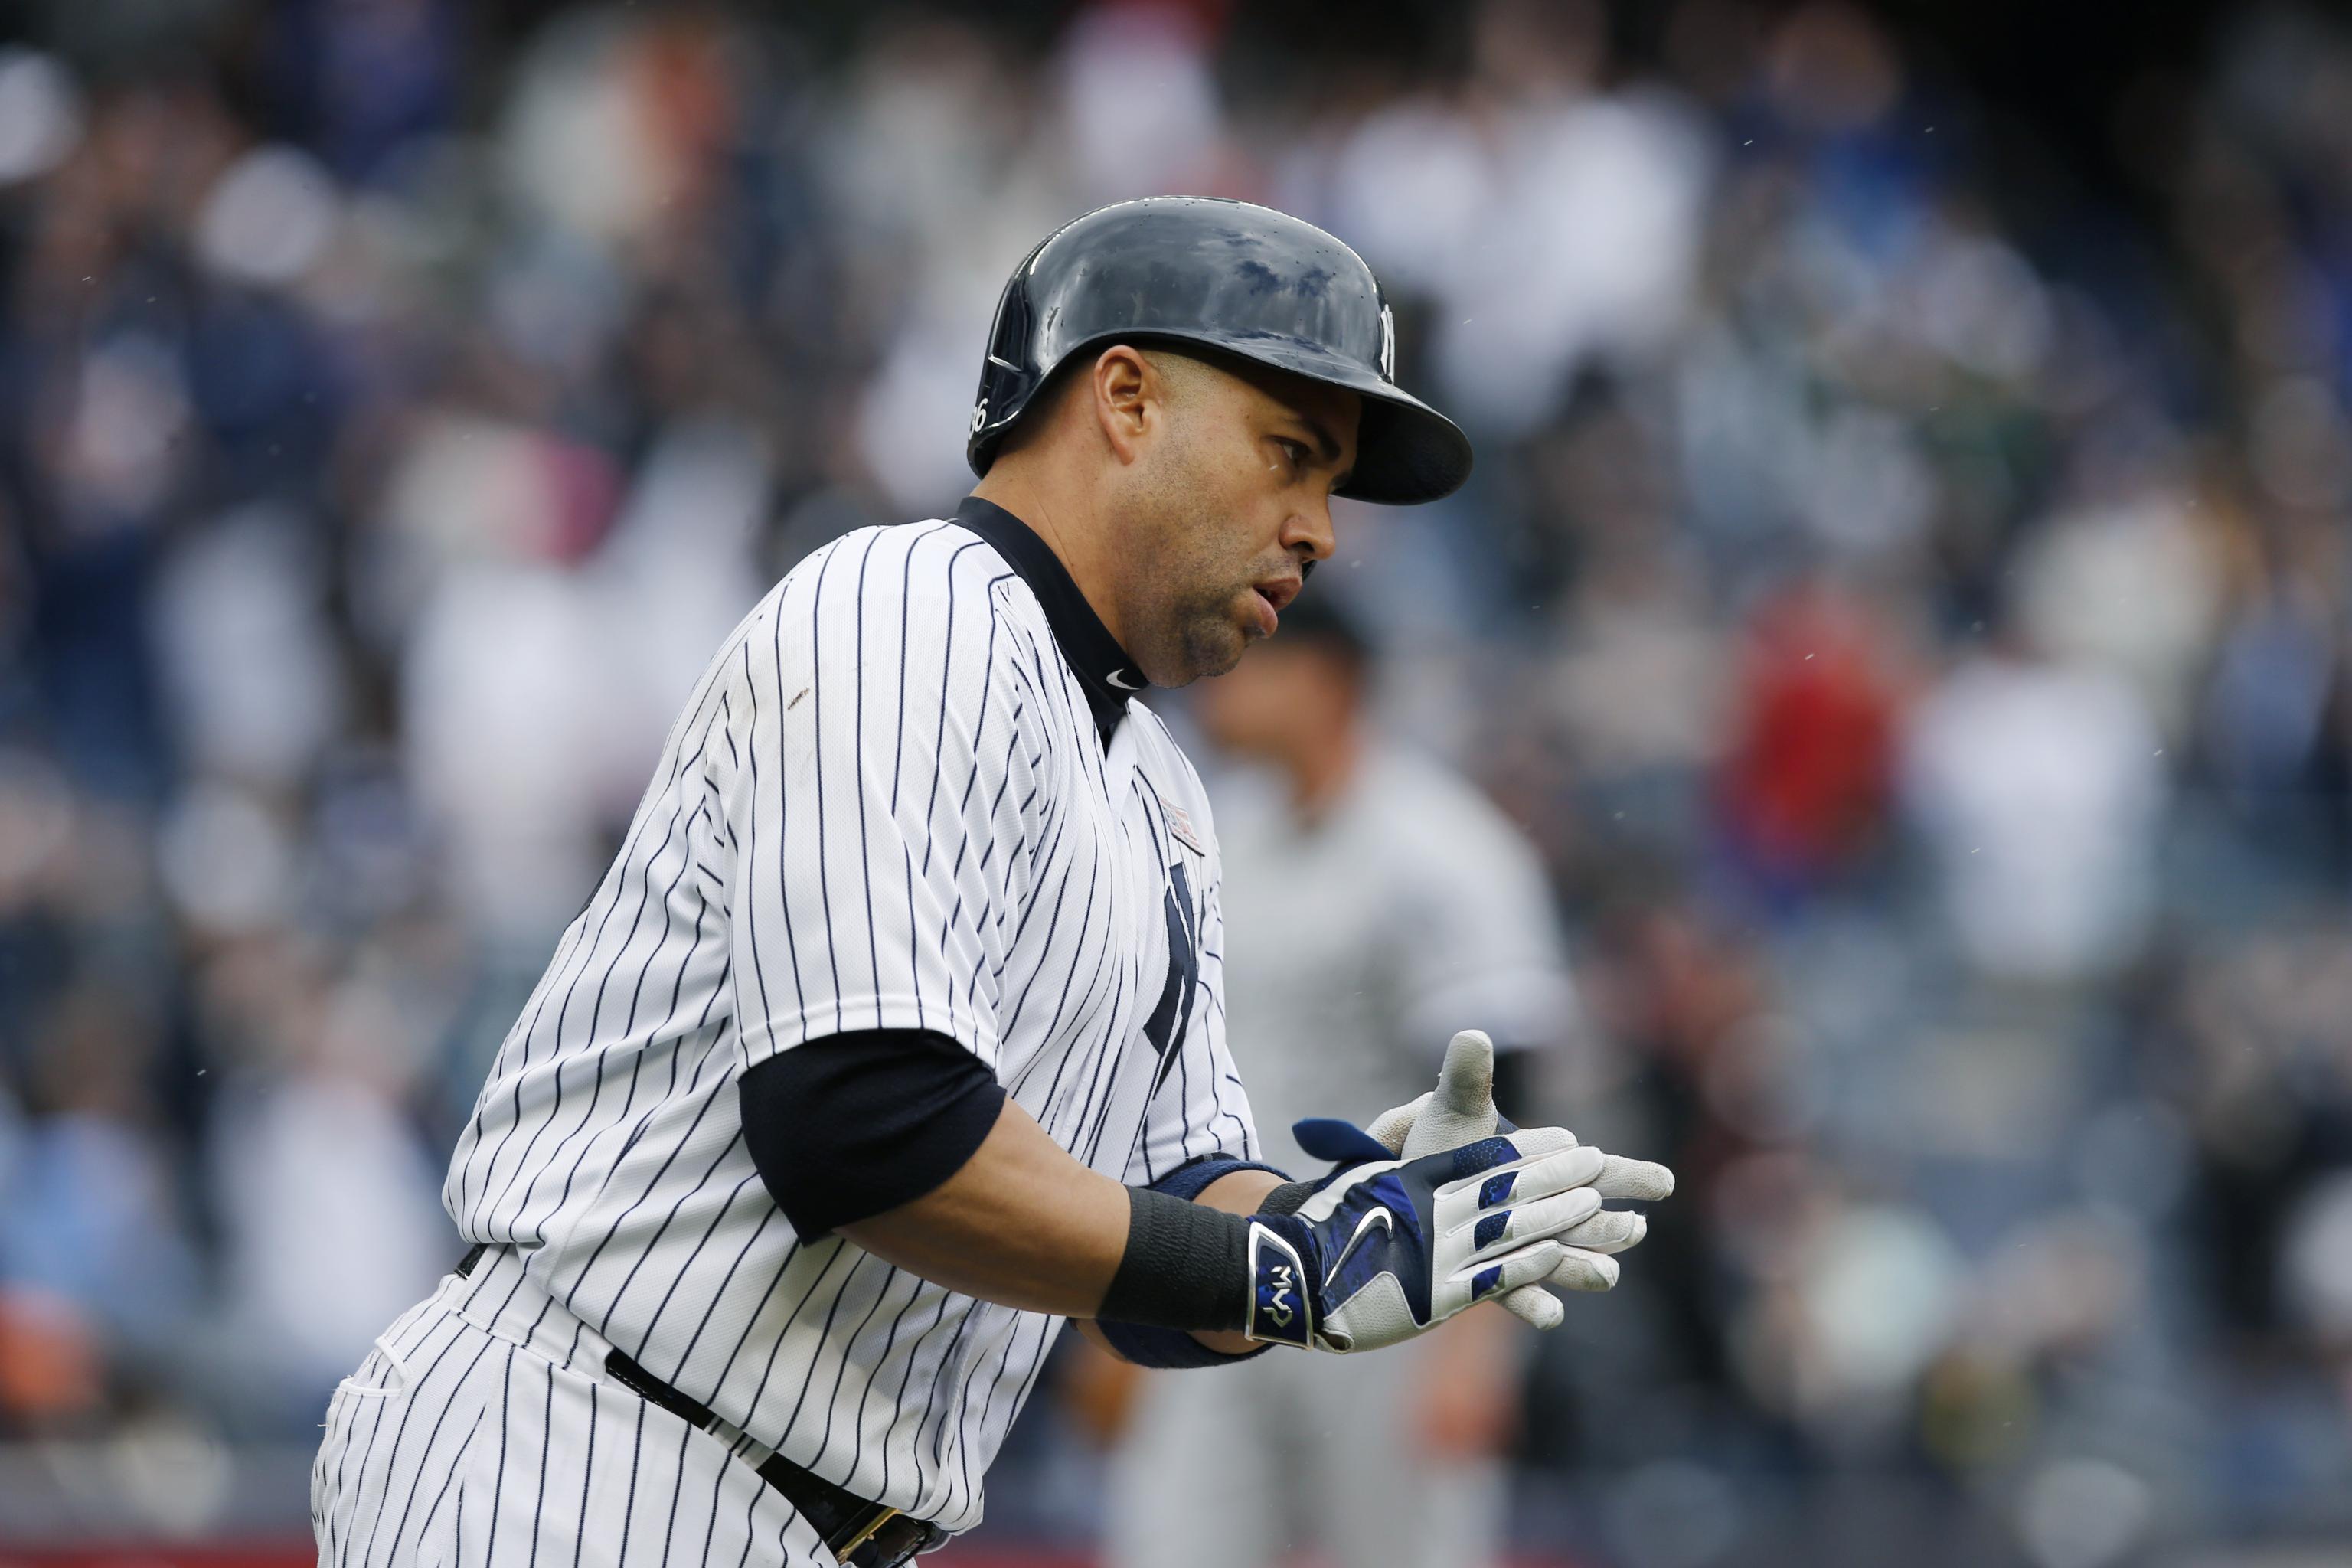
column 1272, row 596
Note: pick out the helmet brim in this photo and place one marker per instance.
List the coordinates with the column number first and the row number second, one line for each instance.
column 1407, row 453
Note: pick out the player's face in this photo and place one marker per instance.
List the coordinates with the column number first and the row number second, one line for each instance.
column 1236, row 503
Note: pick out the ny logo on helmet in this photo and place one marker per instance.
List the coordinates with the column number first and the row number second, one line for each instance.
column 1387, row 344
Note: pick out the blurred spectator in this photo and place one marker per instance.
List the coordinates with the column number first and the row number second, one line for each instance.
column 2039, row 789
column 1903, row 600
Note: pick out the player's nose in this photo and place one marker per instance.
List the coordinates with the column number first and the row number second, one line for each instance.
column 1307, row 531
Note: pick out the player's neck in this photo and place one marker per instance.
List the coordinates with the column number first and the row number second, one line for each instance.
column 1068, row 530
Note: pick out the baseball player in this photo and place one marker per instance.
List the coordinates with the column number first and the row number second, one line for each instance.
column 1372, row 899
column 894, row 1035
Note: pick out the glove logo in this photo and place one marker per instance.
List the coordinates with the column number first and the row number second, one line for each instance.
column 1380, row 1218
column 1278, row 1307
column 1281, row 1307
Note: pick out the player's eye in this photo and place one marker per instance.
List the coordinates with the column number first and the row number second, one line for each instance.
column 1295, row 451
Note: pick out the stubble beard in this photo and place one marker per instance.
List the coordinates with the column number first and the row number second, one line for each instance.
column 1212, row 644
column 1195, row 633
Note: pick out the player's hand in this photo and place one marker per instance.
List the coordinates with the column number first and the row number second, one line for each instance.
column 1460, row 1111
column 1389, row 1248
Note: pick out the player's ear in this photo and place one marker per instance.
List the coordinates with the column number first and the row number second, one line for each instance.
column 1128, row 396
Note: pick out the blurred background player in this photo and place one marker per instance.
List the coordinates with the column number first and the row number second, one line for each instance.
column 1376, row 901
column 397, row 391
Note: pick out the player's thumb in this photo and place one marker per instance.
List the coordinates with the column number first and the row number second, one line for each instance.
column 1466, row 1084
column 1461, row 1109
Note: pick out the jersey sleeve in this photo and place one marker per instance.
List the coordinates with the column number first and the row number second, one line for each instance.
column 1197, row 1107
column 874, row 801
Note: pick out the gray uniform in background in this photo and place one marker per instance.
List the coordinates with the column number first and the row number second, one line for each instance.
column 1356, row 946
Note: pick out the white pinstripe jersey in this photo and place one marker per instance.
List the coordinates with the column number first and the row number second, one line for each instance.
column 887, row 806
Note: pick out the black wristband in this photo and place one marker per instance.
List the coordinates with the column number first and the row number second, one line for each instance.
column 1287, row 1198
column 1186, row 1267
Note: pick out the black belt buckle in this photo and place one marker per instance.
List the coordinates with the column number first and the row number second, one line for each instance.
column 859, row 1534
column 883, row 1539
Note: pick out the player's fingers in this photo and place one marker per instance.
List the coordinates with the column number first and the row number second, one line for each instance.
column 1499, row 1231
column 1393, row 1125
column 1639, row 1180
column 1610, row 1230
column 1534, row 1305
column 1579, row 1269
column 1496, row 1275
column 1450, row 1169
column 1525, row 1180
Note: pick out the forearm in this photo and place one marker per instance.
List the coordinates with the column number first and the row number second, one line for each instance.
column 1021, row 1223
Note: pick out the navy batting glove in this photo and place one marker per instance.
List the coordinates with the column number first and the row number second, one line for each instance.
column 1383, row 1249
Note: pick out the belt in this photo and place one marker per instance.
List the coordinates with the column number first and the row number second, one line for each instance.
column 859, row 1534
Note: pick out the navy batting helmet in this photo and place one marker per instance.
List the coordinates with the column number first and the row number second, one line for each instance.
column 1227, row 276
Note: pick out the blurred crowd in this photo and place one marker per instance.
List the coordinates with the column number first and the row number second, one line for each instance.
column 1908, row 605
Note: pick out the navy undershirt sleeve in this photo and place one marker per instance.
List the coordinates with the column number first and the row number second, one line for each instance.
column 853, row 1125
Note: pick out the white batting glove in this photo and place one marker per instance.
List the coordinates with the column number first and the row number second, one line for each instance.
column 1461, row 1110
column 1387, row 1249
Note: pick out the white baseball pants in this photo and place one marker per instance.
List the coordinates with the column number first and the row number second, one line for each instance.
column 482, row 1432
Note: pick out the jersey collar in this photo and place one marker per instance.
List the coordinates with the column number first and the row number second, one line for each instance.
column 1102, row 667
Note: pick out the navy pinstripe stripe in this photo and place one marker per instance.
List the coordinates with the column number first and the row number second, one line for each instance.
column 393, row 1555
column 546, row 1447
column 899, row 1406
column 499, row 1069
column 679, row 1202
column 939, row 726
column 498, row 1486
column 963, row 1408
column 349, row 1421
column 627, row 1038
column 717, row 1476
column 671, row 1048
column 893, row 1279
column 769, row 1213
column 1102, row 1057
column 636, row 1452
column 784, row 833
column 677, row 1491
column 775, row 1281
column 653, row 1185
column 840, row 1294
column 768, row 1371
column 1102, row 1079
column 687, row 1268
column 840, row 1368
column 375, row 1430
column 857, row 750
column 817, row 715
